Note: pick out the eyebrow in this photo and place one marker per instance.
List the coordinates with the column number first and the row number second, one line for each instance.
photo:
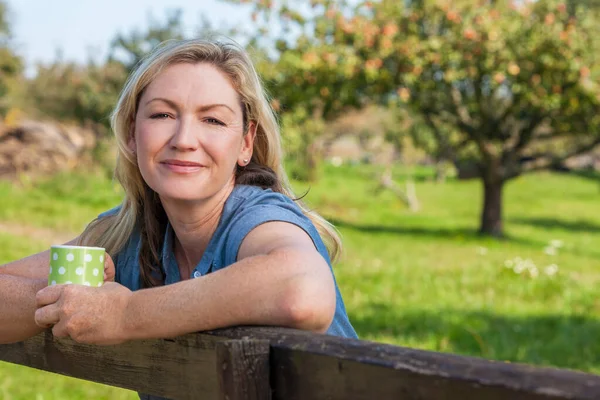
column 201, row 108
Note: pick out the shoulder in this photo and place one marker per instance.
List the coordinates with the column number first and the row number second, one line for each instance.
column 244, row 196
column 249, row 207
column 109, row 213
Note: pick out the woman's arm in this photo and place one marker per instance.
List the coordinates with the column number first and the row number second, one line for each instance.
column 32, row 267
column 280, row 279
column 17, row 307
column 19, row 283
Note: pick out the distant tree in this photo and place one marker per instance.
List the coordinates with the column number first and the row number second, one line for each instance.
column 87, row 93
column 130, row 48
column 79, row 93
column 511, row 87
column 573, row 5
column 11, row 64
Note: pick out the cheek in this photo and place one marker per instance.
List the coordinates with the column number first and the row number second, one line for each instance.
column 223, row 149
column 147, row 139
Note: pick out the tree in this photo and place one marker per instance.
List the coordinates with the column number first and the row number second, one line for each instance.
column 572, row 5
column 11, row 64
column 84, row 94
column 510, row 87
column 130, row 49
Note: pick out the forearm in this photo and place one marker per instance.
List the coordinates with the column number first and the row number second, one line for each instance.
column 35, row 266
column 260, row 290
column 17, row 307
column 32, row 267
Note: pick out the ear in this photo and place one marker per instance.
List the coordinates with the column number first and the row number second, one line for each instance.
column 247, row 144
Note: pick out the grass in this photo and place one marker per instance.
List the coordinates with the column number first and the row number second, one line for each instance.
column 422, row 280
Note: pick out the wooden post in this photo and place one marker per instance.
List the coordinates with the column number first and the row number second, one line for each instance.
column 243, row 369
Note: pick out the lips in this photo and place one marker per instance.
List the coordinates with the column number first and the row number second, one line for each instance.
column 182, row 166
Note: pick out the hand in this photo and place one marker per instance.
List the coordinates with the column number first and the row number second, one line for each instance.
column 86, row 314
column 109, row 269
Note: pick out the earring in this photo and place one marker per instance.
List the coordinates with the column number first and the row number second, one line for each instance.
column 245, row 161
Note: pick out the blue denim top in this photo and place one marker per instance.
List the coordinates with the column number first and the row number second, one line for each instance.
column 246, row 208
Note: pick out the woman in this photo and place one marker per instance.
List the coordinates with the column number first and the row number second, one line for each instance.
column 208, row 235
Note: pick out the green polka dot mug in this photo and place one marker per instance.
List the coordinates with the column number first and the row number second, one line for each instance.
column 76, row 264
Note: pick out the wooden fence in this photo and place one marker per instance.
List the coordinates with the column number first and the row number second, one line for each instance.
column 270, row 363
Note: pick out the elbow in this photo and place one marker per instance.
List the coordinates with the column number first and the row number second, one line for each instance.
column 309, row 304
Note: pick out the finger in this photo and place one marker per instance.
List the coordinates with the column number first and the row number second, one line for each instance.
column 109, row 268
column 47, row 316
column 60, row 330
column 48, row 295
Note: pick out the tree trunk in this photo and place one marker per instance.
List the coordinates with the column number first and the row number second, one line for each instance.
column 491, row 215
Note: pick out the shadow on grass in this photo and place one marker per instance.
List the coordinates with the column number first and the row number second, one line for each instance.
column 555, row 223
column 562, row 341
column 586, row 174
column 428, row 232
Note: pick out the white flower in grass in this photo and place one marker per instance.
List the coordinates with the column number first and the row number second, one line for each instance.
column 529, row 263
column 519, row 268
column 551, row 269
column 556, row 243
column 482, row 250
column 508, row 263
column 550, row 250
column 533, row 272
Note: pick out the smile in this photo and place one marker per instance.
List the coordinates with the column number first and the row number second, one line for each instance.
column 181, row 167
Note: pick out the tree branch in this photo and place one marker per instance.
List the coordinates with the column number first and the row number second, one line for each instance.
column 547, row 160
column 465, row 123
column 443, row 145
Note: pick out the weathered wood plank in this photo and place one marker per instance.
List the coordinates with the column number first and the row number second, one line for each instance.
column 309, row 366
column 181, row 368
column 302, row 366
column 243, row 369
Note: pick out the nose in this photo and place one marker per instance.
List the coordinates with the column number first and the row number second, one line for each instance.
column 185, row 137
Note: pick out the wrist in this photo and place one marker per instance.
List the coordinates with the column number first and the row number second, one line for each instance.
column 127, row 324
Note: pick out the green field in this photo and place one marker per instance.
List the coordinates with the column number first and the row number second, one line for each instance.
column 422, row 280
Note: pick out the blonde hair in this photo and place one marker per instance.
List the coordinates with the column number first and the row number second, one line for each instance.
column 141, row 206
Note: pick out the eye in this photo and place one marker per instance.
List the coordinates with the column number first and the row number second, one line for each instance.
column 159, row 116
column 214, row 121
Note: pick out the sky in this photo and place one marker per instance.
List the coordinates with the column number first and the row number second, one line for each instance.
column 84, row 28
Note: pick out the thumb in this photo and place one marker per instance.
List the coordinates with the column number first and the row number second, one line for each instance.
column 109, row 268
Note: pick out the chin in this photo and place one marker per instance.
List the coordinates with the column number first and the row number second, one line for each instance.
column 181, row 194
column 187, row 189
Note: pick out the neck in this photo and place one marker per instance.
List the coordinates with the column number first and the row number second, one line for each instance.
column 194, row 225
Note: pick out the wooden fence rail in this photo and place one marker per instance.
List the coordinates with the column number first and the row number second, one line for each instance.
column 272, row 363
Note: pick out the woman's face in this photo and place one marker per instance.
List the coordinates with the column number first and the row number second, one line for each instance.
column 188, row 133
